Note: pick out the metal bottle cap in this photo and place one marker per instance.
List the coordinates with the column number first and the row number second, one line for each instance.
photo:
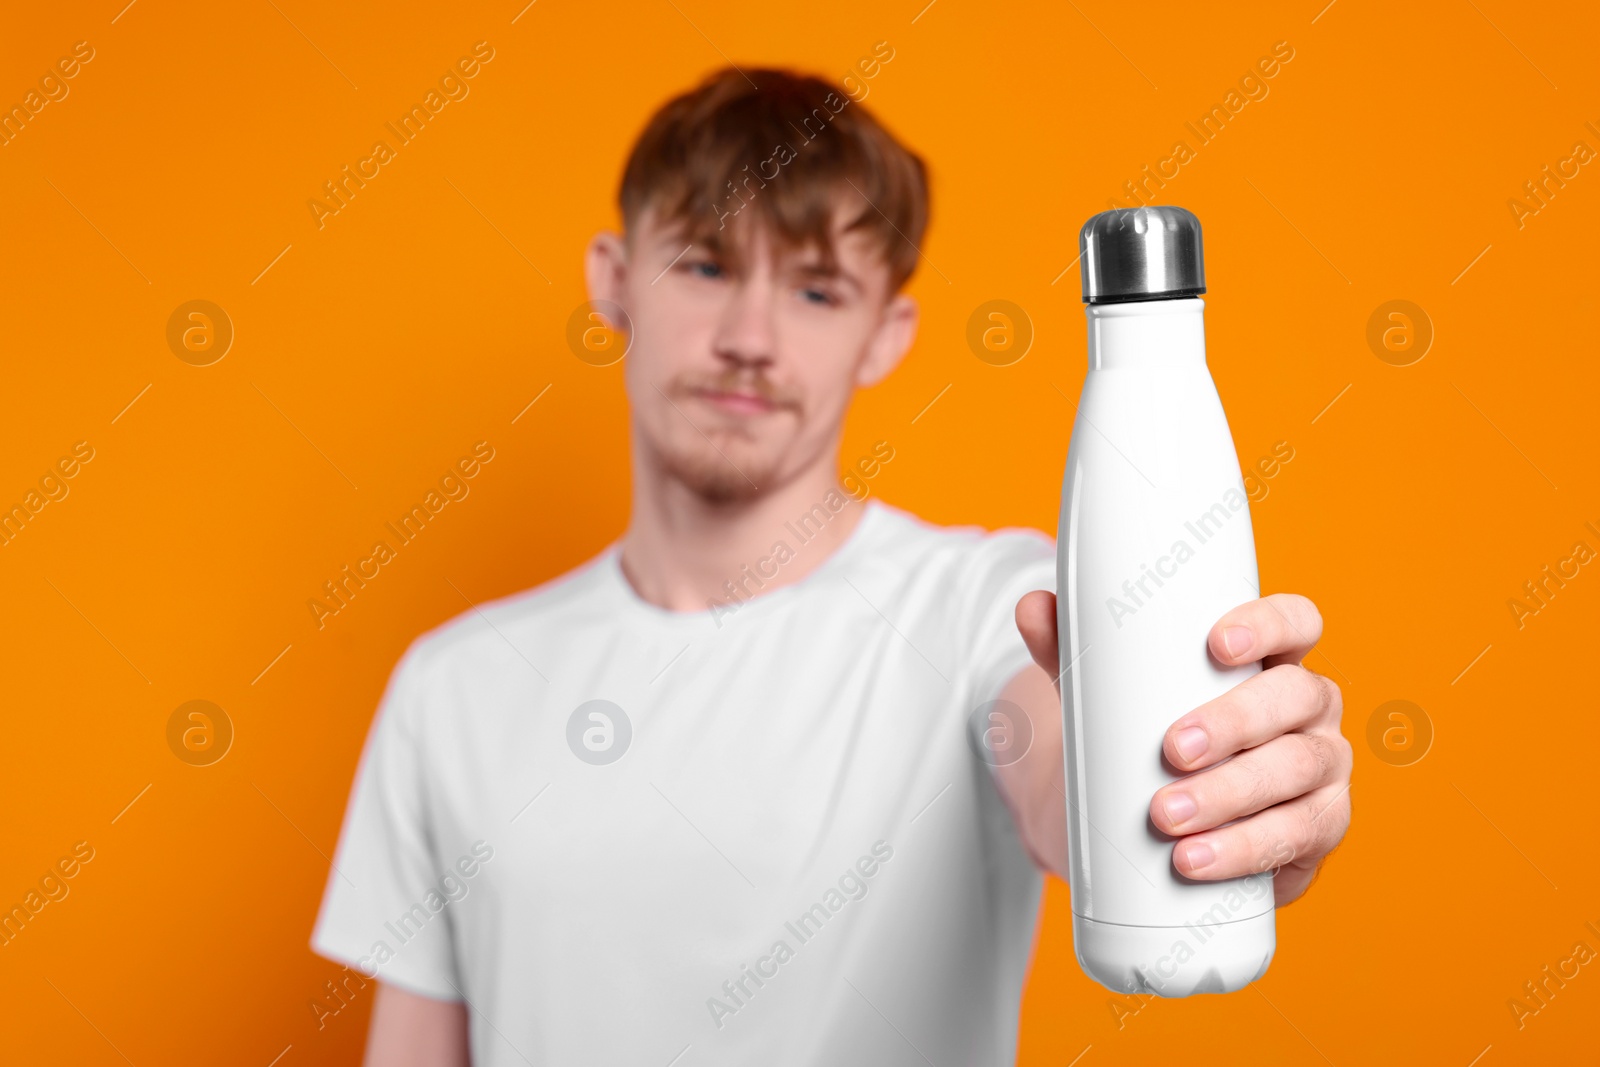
column 1141, row 253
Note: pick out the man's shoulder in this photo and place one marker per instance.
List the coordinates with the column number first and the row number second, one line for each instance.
column 519, row 624
column 911, row 539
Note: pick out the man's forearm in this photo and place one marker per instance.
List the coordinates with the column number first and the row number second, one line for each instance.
column 1033, row 786
column 409, row 1030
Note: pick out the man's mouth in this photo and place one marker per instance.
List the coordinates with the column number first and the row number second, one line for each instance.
column 736, row 401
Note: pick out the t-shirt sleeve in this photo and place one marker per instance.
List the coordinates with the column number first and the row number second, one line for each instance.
column 375, row 912
column 1004, row 566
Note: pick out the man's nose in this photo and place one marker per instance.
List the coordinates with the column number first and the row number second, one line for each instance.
column 745, row 336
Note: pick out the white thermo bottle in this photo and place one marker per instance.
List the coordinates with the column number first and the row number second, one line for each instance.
column 1155, row 545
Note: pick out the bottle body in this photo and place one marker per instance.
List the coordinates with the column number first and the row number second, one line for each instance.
column 1155, row 545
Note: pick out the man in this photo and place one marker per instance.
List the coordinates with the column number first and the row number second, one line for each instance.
column 712, row 797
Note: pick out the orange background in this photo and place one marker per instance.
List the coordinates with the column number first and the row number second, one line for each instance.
column 428, row 313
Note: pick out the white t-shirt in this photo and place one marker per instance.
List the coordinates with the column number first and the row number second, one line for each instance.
column 626, row 835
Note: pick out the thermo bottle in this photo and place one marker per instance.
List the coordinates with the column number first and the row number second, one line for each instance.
column 1155, row 545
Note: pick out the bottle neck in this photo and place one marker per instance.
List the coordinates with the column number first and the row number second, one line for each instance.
column 1147, row 333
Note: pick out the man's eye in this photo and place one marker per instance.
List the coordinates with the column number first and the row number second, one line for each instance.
column 704, row 268
column 820, row 297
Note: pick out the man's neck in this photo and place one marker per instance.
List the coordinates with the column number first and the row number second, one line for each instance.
column 684, row 553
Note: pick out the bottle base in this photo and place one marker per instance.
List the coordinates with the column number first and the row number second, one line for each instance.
column 1175, row 961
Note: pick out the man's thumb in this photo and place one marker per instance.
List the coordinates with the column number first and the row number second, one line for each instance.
column 1036, row 621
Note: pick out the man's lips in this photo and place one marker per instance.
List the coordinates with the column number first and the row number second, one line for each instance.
column 735, row 401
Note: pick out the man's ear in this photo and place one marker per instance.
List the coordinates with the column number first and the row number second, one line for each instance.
column 890, row 341
column 605, row 266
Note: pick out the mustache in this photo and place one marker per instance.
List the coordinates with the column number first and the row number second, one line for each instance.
column 740, row 381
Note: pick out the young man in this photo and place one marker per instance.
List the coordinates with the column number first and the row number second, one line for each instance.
column 712, row 798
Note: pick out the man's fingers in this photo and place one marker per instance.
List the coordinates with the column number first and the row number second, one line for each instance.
column 1284, row 768
column 1036, row 621
column 1280, row 628
column 1274, row 702
column 1297, row 834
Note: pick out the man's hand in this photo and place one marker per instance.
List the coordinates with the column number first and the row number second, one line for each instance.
column 1287, row 783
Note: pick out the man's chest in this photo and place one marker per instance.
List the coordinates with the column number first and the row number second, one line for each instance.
column 737, row 758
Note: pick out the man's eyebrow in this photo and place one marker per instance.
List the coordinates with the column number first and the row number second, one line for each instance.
column 700, row 242
column 676, row 241
column 834, row 273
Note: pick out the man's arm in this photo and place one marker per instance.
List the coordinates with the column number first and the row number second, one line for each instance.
column 1034, row 787
column 1288, row 782
column 408, row 1030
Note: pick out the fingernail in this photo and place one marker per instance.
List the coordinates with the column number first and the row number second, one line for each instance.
column 1191, row 743
column 1237, row 640
column 1180, row 807
column 1198, row 855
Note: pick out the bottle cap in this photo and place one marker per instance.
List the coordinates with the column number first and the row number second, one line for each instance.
column 1141, row 253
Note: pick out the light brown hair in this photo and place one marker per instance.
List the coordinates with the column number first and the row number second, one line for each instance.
column 789, row 147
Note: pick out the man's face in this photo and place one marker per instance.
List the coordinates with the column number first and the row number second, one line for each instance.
column 740, row 374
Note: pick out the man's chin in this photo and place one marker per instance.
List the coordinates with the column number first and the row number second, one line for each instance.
column 718, row 478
